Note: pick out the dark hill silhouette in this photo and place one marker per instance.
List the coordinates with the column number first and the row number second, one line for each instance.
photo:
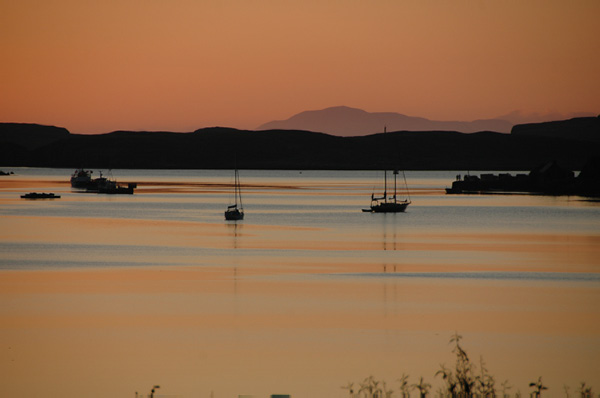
column 581, row 128
column 217, row 147
column 30, row 136
column 205, row 148
column 348, row 122
column 523, row 117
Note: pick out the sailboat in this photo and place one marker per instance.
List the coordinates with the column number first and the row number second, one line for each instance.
column 385, row 204
column 234, row 212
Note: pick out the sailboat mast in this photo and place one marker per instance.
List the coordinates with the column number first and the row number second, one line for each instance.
column 238, row 188
column 395, row 178
column 385, row 172
column 385, row 185
column 235, row 186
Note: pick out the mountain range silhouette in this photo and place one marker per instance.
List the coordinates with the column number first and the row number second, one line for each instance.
column 348, row 122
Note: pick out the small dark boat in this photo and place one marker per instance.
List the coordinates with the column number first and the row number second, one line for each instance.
column 234, row 213
column 36, row 195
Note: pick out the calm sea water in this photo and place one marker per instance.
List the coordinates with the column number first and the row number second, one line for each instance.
column 304, row 295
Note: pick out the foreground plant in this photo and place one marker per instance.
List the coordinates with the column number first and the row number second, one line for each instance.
column 462, row 381
column 585, row 391
column 485, row 382
column 505, row 387
column 350, row 388
column 404, row 387
column 423, row 388
column 370, row 387
column 538, row 388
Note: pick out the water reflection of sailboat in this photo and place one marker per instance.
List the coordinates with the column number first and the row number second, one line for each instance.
column 234, row 230
column 234, row 212
column 386, row 204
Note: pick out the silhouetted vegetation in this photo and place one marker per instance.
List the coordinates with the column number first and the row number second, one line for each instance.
column 463, row 380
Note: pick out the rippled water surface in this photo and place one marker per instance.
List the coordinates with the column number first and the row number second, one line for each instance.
column 108, row 295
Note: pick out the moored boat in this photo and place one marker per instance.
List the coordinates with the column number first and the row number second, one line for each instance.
column 102, row 184
column 42, row 195
column 385, row 204
column 234, row 212
column 389, row 204
column 81, row 178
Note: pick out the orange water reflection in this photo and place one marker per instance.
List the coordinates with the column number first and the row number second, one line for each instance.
column 260, row 309
column 197, row 330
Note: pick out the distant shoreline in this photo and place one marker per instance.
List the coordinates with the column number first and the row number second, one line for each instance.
column 570, row 143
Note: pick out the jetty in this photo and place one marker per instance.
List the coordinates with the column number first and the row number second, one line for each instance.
column 546, row 179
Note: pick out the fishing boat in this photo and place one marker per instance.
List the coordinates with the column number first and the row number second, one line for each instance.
column 234, row 212
column 109, row 186
column 389, row 204
column 112, row 187
column 81, row 178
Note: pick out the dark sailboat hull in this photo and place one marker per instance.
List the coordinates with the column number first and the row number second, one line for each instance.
column 234, row 214
column 389, row 207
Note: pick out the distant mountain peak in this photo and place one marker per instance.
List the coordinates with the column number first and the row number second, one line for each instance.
column 347, row 121
column 331, row 112
column 341, row 108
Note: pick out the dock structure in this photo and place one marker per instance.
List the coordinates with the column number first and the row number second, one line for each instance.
column 547, row 179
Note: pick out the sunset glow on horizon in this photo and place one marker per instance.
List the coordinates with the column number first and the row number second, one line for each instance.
column 95, row 67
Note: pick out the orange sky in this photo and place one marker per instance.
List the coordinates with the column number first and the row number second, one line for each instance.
column 98, row 66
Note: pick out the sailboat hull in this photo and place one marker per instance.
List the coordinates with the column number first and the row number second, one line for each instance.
column 389, row 207
column 234, row 214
